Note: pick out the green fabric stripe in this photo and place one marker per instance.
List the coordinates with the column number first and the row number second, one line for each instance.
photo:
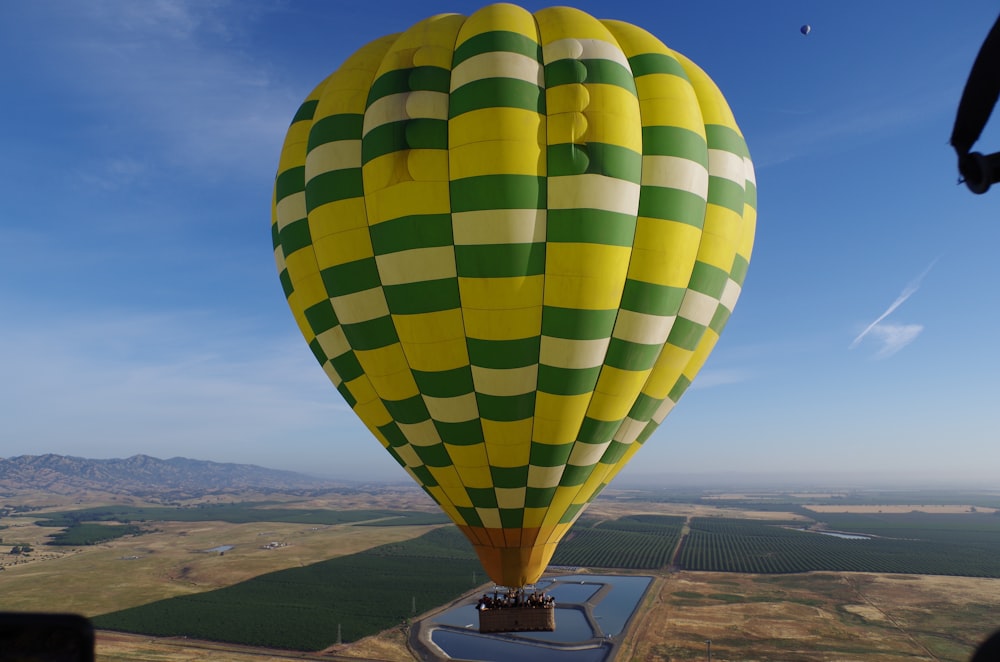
column 409, row 410
column 594, row 158
column 593, row 431
column 506, row 407
column 347, row 366
column 446, row 383
column 393, row 434
column 406, row 232
column 538, row 497
column 333, row 128
column 371, row 334
column 671, row 204
column 647, row 432
column 434, row 456
column 751, row 195
column 685, row 334
column 719, row 320
column 512, row 518
column 644, row 407
column 631, row 356
column 549, row 455
column 503, row 353
column 509, row 477
column 289, row 182
column 434, row 79
column 497, row 40
column 708, row 279
column 498, row 192
column 334, row 185
column 351, row 277
column 674, row 141
column 651, row 299
column 427, row 296
column 418, row 133
column 726, row 139
column 463, row 433
column 614, row 452
column 678, row 390
column 347, row 395
column 594, row 72
column 482, row 497
column 321, row 317
column 305, row 111
column 426, row 477
column 470, row 516
column 739, row 270
column 590, row 226
column 295, row 236
column 655, row 63
column 497, row 93
column 574, row 475
column 318, row 352
column 500, row 260
column 286, row 283
column 577, row 324
column 567, row 381
column 573, row 510
column 726, row 193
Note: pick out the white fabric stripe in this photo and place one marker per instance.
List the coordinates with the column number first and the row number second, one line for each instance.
column 332, row 374
column 675, row 172
column 360, row 306
column 409, row 456
column 420, row 434
column 663, row 410
column 291, row 208
column 498, row 64
column 575, row 354
column 629, row 430
column 513, row 381
column 748, row 170
column 416, row 265
column 592, row 191
column 511, row 497
column 336, row 155
column 730, row 293
column 642, row 328
column 499, row 226
column 544, row 476
column 698, row 307
column 403, row 106
column 452, row 410
column 728, row 166
column 334, row 342
column 585, row 455
column 584, row 49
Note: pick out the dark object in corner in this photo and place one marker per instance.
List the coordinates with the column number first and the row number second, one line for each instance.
column 978, row 171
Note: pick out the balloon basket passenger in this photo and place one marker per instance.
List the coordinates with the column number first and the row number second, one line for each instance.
column 516, row 610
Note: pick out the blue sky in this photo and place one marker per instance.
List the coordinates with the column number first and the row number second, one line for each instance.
column 140, row 310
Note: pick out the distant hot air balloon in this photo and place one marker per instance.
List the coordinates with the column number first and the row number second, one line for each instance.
column 511, row 241
column 805, row 29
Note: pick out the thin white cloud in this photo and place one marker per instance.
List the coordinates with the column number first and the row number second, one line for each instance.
column 894, row 337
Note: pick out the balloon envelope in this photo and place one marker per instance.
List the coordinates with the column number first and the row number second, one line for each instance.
column 805, row 29
column 511, row 240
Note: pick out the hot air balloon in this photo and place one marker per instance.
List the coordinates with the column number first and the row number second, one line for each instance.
column 511, row 240
column 805, row 29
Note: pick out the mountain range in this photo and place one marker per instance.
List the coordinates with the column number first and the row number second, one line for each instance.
column 142, row 475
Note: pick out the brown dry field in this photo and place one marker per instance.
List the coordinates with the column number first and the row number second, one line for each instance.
column 822, row 617
column 900, row 509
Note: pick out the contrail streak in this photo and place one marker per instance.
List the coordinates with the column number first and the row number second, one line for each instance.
column 903, row 296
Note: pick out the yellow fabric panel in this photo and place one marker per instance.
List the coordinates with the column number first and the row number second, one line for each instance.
column 301, row 264
column 426, row 41
column 495, row 123
column 335, row 217
column 555, row 23
column 388, row 361
column 425, row 328
column 408, row 198
column 490, row 157
column 669, row 366
column 503, row 324
column 385, row 172
column 533, row 517
column 701, row 352
column 476, row 477
column 371, row 412
column 517, row 292
column 749, row 230
column 343, row 247
column 473, row 455
column 507, row 433
column 434, row 357
column 442, row 500
column 615, row 393
column 561, row 501
column 664, row 252
column 558, row 417
column 347, row 90
column 592, row 484
column 713, row 105
column 512, row 455
column 505, row 381
column 416, row 264
column 722, row 235
column 499, row 17
column 585, row 276
column 309, row 290
column 613, row 117
column 569, row 98
column 427, row 165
